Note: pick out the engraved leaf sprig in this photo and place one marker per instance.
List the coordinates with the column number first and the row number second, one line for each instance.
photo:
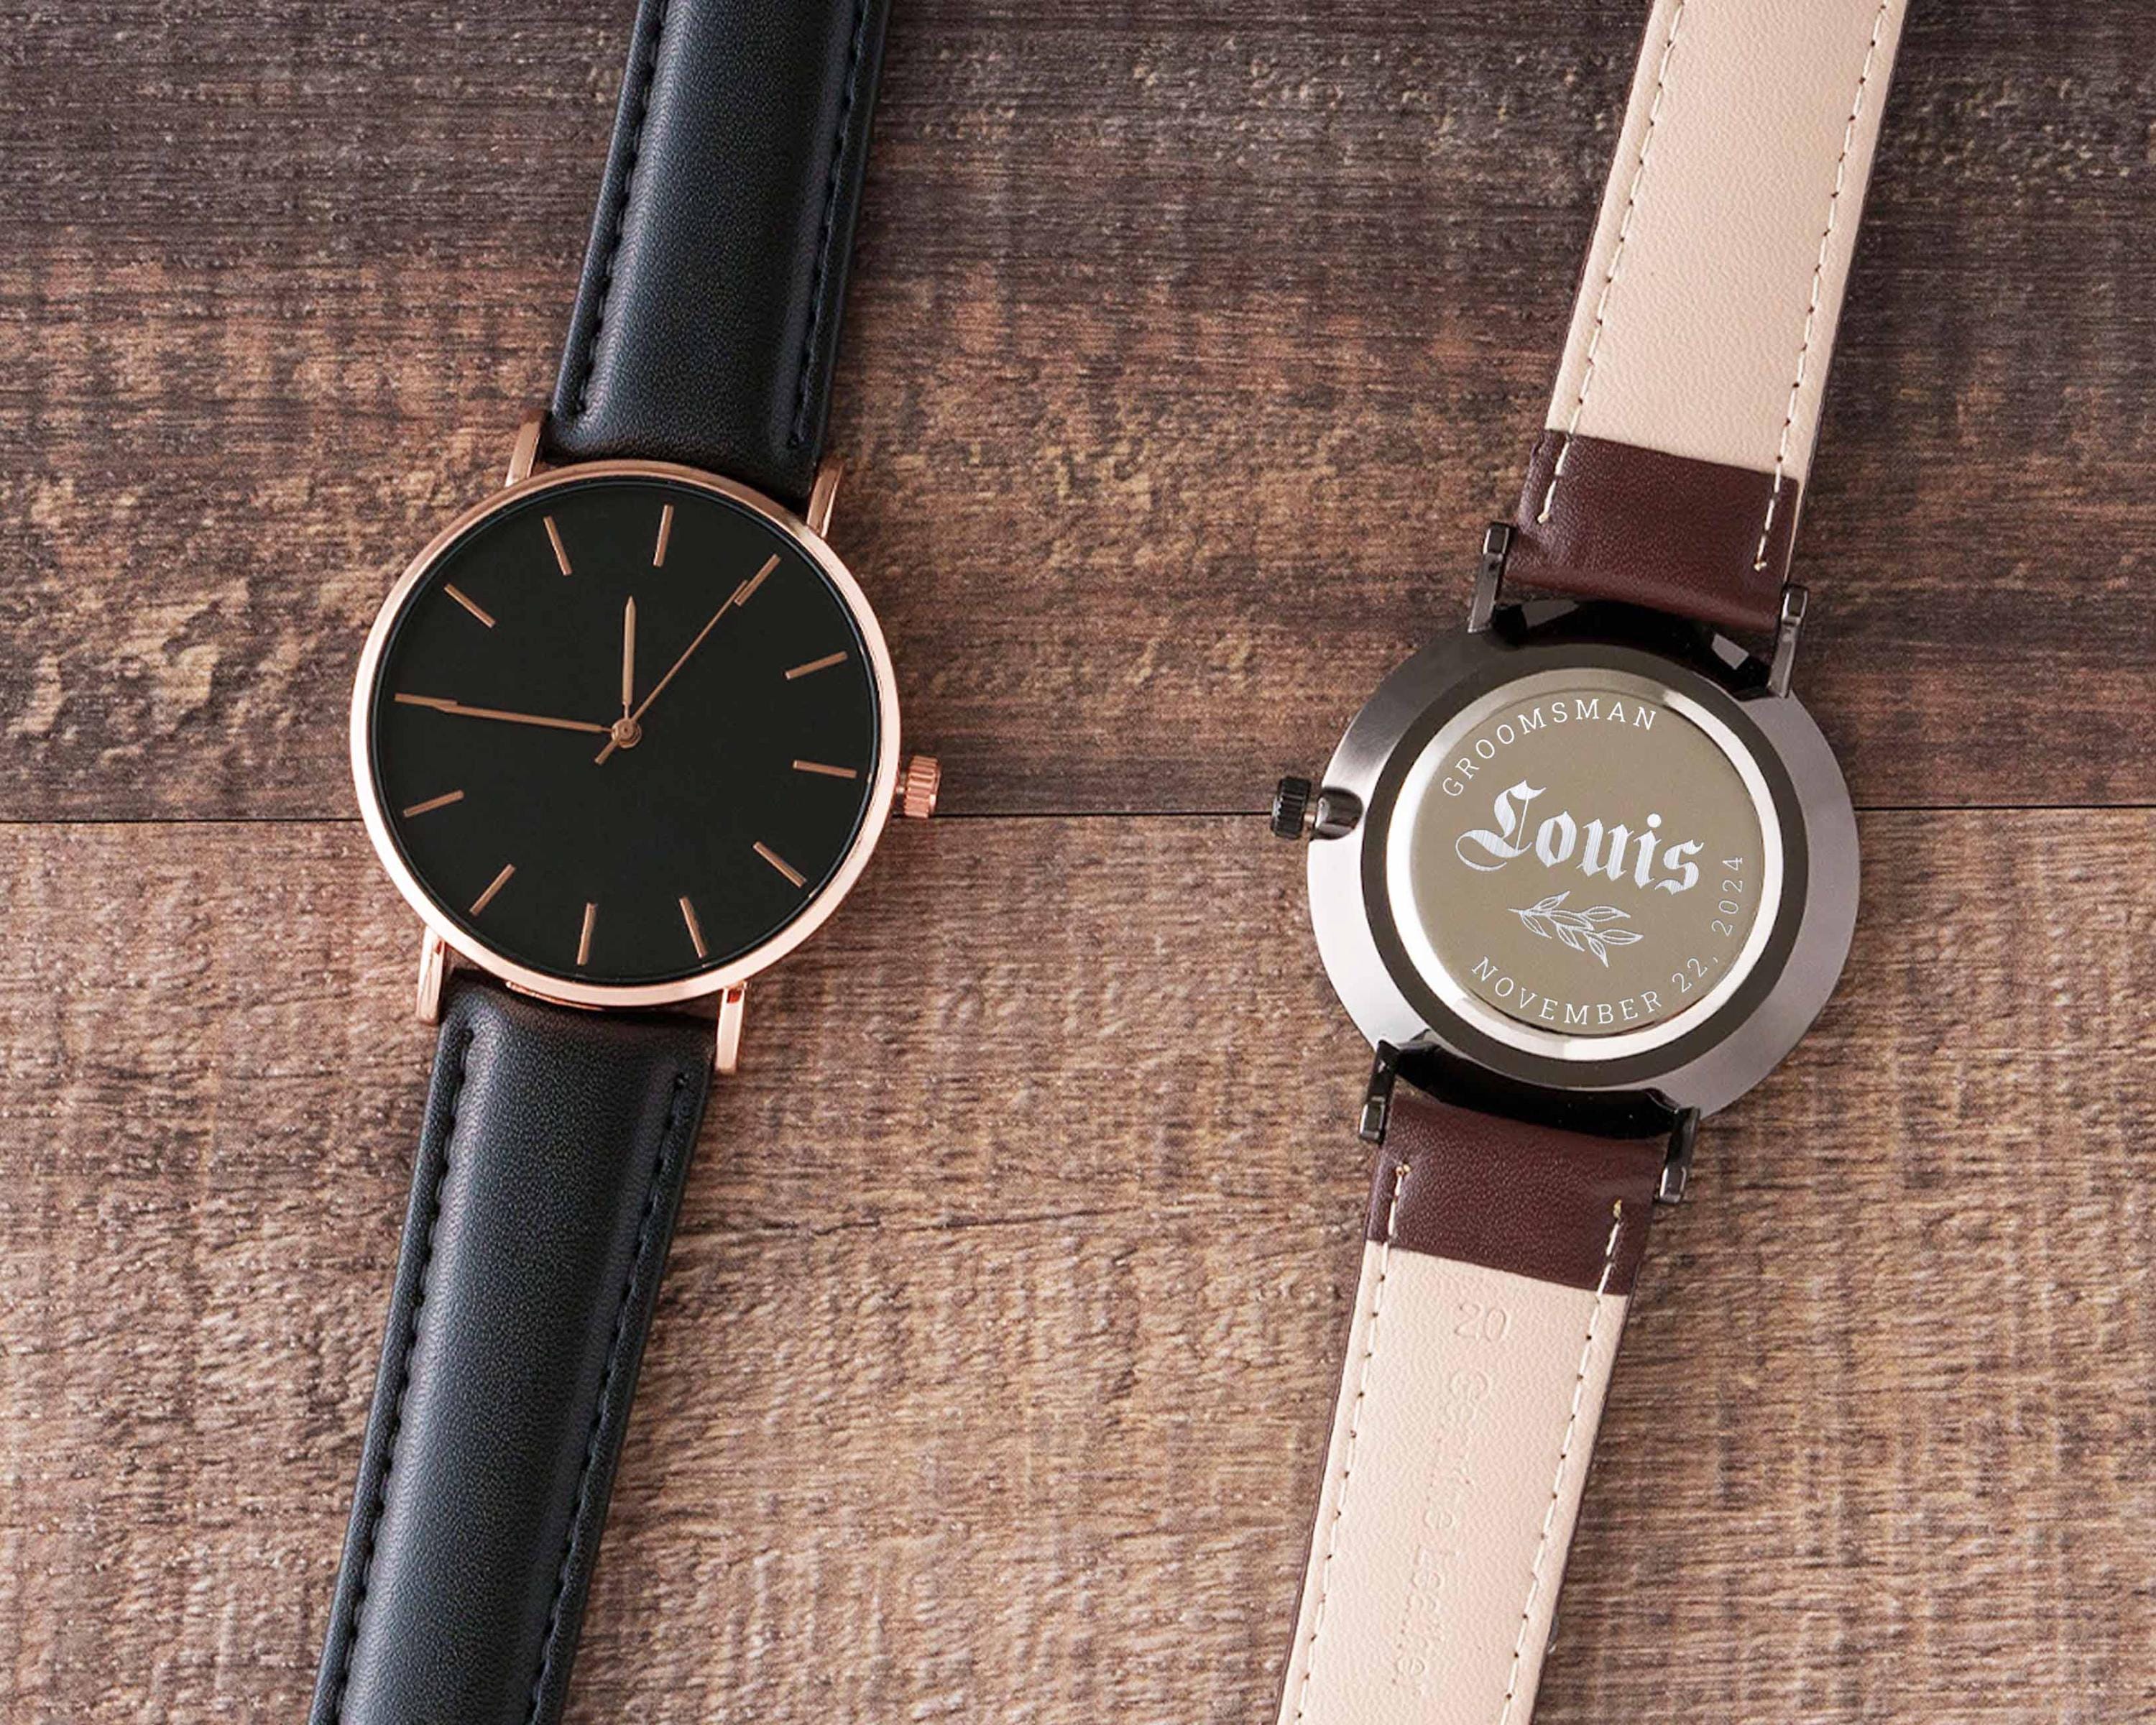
column 1582, row 931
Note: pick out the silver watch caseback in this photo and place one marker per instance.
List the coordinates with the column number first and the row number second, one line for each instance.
column 1589, row 851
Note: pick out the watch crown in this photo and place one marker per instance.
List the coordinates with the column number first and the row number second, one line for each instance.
column 917, row 787
column 1291, row 808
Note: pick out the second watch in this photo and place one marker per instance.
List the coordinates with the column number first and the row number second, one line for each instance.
column 1584, row 872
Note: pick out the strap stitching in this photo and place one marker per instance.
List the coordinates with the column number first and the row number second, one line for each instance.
column 1819, row 277
column 1354, row 1434
column 1616, row 254
column 621, row 210
column 1563, row 1462
column 580, row 1504
column 819, row 284
column 406, row 1342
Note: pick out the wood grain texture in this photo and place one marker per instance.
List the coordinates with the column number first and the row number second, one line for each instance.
column 1189, row 348
column 993, row 1369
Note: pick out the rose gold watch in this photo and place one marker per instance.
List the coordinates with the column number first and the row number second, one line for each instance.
column 624, row 734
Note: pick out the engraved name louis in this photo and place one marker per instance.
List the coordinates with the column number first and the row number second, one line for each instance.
column 1610, row 850
column 1582, row 842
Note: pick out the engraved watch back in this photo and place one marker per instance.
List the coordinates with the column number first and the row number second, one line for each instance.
column 1593, row 853
column 1584, row 871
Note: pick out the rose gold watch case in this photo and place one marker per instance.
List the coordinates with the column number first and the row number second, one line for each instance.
column 725, row 977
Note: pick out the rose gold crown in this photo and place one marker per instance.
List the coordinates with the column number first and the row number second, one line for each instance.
column 917, row 787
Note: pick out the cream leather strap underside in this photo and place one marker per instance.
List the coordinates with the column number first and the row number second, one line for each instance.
column 1467, row 1414
column 1450, row 1489
column 1707, row 308
column 1671, row 469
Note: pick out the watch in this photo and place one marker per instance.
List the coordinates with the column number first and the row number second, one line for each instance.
column 623, row 735
column 1584, row 872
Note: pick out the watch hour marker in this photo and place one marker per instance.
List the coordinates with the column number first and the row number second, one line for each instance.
column 584, row 940
column 816, row 665
column 433, row 803
column 696, row 932
column 828, row 772
column 755, row 581
column 665, row 531
column 561, row 551
column 780, row 863
column 493, row 886
column 470, row 604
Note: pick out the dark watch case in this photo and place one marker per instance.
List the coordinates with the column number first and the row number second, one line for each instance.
column 1736, row 1042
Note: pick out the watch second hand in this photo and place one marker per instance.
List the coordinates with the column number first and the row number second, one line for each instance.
column 441, row 705
column 614, row 740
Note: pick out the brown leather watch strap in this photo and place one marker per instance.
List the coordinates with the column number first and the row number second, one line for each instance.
column 1681, row 430
column 1497, row 1272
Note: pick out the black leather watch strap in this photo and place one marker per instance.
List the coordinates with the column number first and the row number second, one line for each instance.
column 551, row 1167
column 708, row 316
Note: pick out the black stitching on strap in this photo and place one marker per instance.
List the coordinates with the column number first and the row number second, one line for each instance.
column 621, row 210
column 406, row 1342
column 819, row 284
column 669, row 1145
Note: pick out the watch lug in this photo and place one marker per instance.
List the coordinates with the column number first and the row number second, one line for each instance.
column 523, row 452
column 1490, row 578
column 823, row 495
column 1676, row 1165
column 1376, row 1113
column 726, row 1052
column 1794, row 598
column 433, row 970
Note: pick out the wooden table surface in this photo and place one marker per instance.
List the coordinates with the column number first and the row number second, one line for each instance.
column 1190, row 346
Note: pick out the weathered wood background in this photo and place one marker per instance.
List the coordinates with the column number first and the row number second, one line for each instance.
column 1190, row 346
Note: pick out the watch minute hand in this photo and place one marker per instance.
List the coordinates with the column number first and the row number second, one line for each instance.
column 442, row 706
column 746, row 586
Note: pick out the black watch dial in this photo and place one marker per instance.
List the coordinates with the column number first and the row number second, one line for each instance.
column 623, row 731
